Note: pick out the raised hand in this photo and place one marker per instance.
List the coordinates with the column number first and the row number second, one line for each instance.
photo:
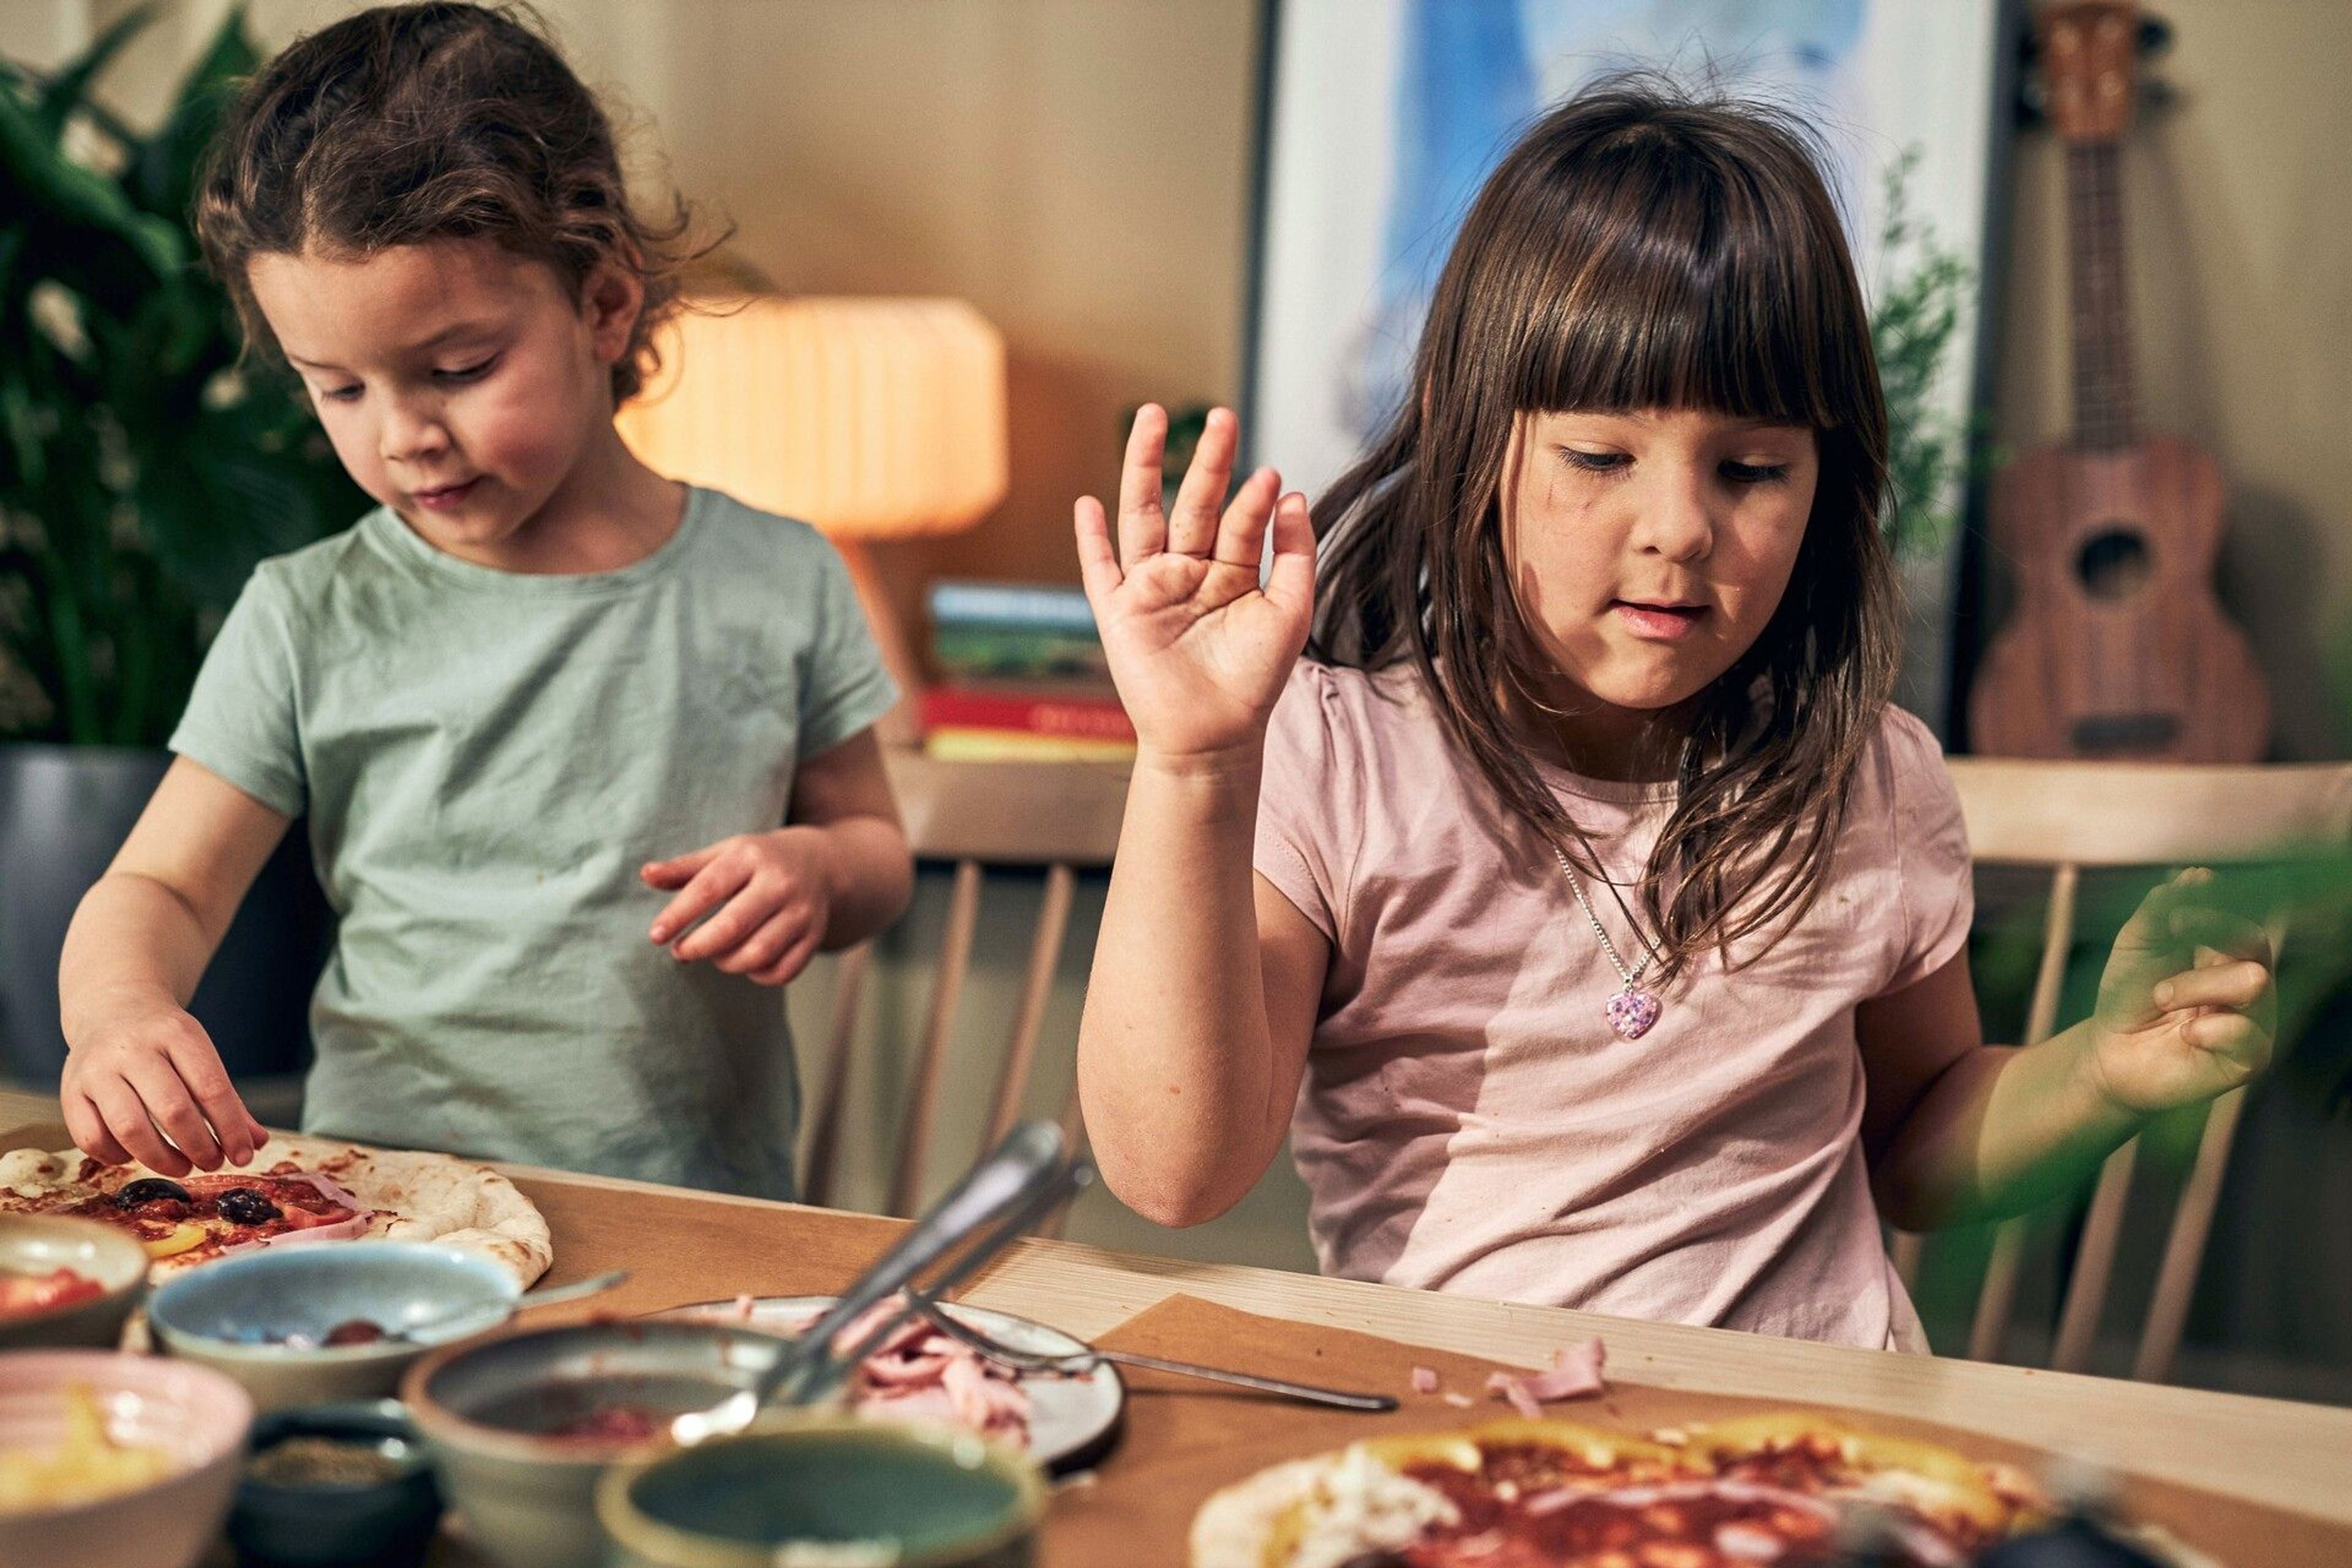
column 2186, row 1005
column 1198, row 649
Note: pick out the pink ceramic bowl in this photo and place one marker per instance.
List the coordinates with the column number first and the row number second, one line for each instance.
column 193, row 1414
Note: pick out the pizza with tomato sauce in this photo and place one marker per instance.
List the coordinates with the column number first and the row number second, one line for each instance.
column 297, row 1191
column 1778, row 1488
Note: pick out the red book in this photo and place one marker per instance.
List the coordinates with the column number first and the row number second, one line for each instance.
column 1080, row 718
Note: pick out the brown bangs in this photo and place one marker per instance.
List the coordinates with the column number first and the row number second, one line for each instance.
column 1675, row 291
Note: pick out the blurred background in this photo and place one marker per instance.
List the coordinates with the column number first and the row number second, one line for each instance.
column 1238, row 200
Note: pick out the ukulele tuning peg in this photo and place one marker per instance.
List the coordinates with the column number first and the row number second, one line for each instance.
column 2032, row 104
column 2154, row 35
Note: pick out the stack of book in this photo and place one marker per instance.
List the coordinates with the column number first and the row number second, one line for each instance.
column 1025, row 678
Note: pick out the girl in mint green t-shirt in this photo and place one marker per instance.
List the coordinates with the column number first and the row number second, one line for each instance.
column 586, row 756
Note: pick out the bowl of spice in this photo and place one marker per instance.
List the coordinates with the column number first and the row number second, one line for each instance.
column 335, row 1486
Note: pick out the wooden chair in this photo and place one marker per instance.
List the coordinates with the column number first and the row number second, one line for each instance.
column 2075, row 816
column 1062, row 816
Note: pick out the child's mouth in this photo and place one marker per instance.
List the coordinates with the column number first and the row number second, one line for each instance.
column 443, row 496
column 1658, row 623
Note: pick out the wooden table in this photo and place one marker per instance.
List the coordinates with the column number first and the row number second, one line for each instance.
column 686, row 1246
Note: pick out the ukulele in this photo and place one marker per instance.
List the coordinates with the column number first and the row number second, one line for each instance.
column 2116, row 647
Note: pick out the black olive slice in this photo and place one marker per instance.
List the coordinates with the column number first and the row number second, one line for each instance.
column 147, row 1190
column 243, row 1205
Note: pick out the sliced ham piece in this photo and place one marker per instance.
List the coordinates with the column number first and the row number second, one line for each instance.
column 1574, row 1373
column 920, row 1374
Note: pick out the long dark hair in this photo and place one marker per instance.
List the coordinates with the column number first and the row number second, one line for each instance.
column 444, row 121
column 1641, row 247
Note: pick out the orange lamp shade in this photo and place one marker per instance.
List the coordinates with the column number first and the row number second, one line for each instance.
column 878, row 418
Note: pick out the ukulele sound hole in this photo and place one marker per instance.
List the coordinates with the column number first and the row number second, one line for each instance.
column 2114, row 564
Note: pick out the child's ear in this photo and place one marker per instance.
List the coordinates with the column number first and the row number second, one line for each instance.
column 610, row 302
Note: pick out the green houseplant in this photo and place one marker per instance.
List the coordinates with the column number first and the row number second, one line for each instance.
column 143, row 471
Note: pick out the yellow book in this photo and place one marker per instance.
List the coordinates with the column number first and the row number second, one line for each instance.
column 957, row 744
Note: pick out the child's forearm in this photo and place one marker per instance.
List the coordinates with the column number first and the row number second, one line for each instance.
column 872, row 874
column 1174, row 1066
column 133, row 942
column 1999, row 1131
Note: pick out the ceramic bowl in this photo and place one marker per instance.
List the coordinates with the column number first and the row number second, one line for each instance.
column 193, row 1414
column 487, row 1411
column 372, row 1524
column 39, row 1244
column 813, row 1489
column 223, row 1314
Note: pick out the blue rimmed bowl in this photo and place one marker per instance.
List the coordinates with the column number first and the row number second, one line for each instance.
column 234, row 1315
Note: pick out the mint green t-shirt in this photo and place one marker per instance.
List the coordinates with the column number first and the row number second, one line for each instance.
column 486, row 759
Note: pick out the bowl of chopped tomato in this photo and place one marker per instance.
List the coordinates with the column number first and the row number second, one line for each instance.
column 66, row 1283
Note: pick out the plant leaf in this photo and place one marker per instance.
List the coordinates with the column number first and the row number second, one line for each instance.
column 66, row 89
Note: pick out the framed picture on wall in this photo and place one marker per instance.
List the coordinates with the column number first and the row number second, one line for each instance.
column 1384, row 116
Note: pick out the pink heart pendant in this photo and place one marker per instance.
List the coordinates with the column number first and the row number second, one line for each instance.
column 1632, row 1012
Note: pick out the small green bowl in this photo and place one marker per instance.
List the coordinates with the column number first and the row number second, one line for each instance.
column 927, row 1497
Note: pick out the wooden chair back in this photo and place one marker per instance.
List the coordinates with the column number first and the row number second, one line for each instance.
column 2075, row 816
column 1061, row 817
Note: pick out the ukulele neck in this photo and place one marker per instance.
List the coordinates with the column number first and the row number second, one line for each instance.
column 2106, row 406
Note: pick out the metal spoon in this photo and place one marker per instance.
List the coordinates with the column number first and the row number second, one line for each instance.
column 1031, row 1160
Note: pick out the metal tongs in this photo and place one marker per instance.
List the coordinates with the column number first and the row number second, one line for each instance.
column 1022, row 1181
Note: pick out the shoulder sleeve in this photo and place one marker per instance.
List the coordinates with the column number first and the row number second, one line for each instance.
column 845, row 687
column 1931, row 848
column 243, row 718
column 1307, row 801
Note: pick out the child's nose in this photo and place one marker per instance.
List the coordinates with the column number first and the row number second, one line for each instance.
column 410, row 432
column 1677, row 521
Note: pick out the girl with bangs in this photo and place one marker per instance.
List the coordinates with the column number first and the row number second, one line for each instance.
column 1581, row 906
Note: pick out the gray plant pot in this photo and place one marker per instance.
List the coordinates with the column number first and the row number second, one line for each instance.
column 64, row 811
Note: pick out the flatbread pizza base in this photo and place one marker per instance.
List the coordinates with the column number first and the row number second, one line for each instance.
column 415, row 1196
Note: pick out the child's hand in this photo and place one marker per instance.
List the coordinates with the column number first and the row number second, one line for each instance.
column 145, row 1078
column 2186, row 1007
column 1198, row 649
column 777, row 890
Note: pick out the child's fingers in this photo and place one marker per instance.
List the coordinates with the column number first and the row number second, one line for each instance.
column 1097, row 560
column 727, row 929
column 718, row 881
column 199, row 1066
column 1290, row 582
column 2230, row 1035
column 118, row 1103
column 1192, row 526
column 1142, row 527
column 2240, row 985
column 88, row 1129
column 1240, row 536
column 675, row 872
column 172, row 1109
column 2228, row 935
column 765, row 946
column 796, row 959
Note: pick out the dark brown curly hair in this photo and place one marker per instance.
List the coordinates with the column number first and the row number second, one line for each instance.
column 410, row 123
column 1641, row 247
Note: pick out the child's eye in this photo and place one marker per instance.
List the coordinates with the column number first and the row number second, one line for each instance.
column 1594, row 462
column 1755, row 473
column 467, row 372
column 340, row 393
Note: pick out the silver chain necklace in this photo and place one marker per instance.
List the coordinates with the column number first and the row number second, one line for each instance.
column 1632, row 1010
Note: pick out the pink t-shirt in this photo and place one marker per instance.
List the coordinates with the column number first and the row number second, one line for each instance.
column 1469, row 1121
